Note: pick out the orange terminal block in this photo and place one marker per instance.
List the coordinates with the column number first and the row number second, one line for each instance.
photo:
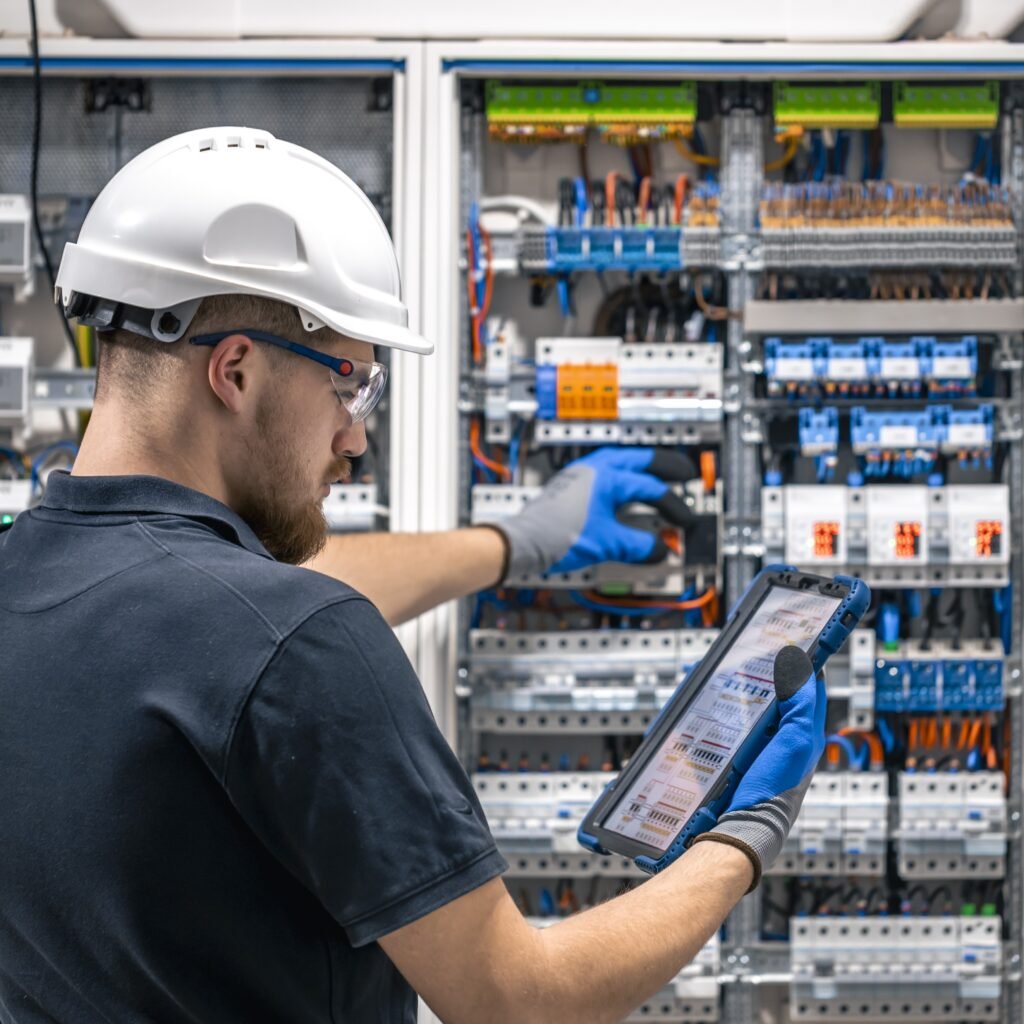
column 589, row 392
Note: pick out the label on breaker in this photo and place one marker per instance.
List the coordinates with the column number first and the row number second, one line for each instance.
column 952, row 367
column 794, row 369
column 701, row 746
column 897, row 436
column 901, row 368
column 968, row 435
column 847, row 368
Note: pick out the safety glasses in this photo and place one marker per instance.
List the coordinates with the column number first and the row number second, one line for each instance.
column 358, row 384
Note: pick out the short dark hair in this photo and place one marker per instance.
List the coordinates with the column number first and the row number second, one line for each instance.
column 136, row 364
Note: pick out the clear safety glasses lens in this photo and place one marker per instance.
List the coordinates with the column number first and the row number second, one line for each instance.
column 360, row 390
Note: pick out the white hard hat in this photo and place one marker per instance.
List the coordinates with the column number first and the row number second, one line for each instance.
column 234, row 211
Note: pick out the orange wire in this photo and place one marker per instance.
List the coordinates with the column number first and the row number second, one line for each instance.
column 912, row 738
column 947, row 731
column 986, row 735
column 1007, row 751
column 707, row 470
column 609, row 198
column 680, row 195
column 474, row 322
column 644, row 198
column 653, row 604
column 478, row 315
column 975, row 734
column 709, row 613
column 873, row 742
column 964, row 730
column 671, row 540
column 474, row 447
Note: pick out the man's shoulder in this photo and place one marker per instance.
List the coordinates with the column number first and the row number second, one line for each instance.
column 279, row 597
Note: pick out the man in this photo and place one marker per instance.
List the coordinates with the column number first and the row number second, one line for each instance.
column 222, row 794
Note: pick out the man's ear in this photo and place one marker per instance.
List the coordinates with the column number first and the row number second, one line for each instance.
column 230, row 370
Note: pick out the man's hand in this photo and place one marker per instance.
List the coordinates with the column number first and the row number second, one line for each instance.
column 769, row 796
column 571, row 524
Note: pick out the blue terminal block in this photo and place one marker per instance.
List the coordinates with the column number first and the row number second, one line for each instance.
column 846, row 362
column 899, row 368
column 793, row 365
column 818, row 431
column 988, row 685
column 893, row 430
column 951, row 366
column 924, row 685
column 942, row 684
column 547, row 392
column 892, row 685
column 965, row 430
column 613, row 248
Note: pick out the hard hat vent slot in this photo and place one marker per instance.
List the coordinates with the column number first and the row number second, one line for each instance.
column 205, row 145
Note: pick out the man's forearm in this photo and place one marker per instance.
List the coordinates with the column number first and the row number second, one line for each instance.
column 601, row 964
column 406, row 574
column 594, row 968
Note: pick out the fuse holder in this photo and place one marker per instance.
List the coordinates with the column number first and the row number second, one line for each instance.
column 589, row 392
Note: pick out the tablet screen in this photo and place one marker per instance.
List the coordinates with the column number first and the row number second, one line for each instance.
column 695, row 753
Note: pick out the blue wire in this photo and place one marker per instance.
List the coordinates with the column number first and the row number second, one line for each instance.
column 37, row 462
column 888, row 740
column 513, row 448
column 487, row 471
column 851, row 751
column 14, row 458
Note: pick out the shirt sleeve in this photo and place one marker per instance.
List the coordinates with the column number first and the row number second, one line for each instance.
column 337, row 764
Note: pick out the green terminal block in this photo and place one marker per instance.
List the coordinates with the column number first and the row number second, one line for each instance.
column 615, row 590
column 951, row 105
column 591, row 103
column 847, row 105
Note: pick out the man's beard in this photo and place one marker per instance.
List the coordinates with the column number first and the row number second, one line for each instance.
column 293, row 530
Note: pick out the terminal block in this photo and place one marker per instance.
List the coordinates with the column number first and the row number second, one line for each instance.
column 907, row 535
column 875, row 224
column 914, row 677
column 538, row 812
column 939, row 428
column 951, row 825
column 890, row 430
column 842, row 827
column 911, row 968
column 871, row 367
column 562, row 250
column 818, row 431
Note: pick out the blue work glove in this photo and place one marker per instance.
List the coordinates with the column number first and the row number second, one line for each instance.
column 571, row 524
column 769, row 796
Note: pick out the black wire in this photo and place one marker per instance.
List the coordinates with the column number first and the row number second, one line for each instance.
column 37, row 131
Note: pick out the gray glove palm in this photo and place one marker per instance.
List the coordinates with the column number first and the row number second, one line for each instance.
column 768, row 799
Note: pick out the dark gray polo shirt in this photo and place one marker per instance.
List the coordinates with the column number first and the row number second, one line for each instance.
column 220, row 780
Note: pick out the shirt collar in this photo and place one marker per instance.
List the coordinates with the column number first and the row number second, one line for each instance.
column 146, row 495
